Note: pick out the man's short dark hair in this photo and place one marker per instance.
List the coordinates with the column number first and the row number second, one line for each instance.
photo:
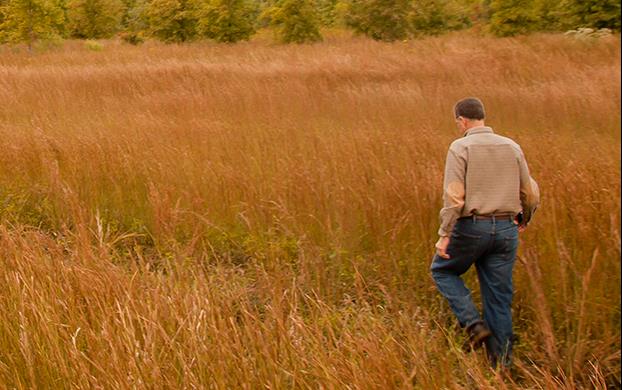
column 470, row 108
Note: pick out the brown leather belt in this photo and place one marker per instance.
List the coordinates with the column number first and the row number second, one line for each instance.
column 490, row 217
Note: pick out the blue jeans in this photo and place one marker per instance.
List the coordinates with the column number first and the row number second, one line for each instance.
column 491, row 246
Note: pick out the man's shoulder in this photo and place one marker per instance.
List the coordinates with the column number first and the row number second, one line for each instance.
column 458, row 147
column 463, row 143
column 508, row 141
column 505, row 139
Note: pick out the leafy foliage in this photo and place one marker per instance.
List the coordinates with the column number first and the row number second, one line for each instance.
column 226, row 20
column 327, row 11
column 94, row 18
column 296, row 21
column 437, row 16
column 293, row 20
column 30, row 20
column 135, row 21
column 172, row 20
column 512, row 17
column 383, row 20
column 133, row 38
column 593, row 13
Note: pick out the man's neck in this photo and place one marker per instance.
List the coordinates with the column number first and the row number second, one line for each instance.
column 472, row 125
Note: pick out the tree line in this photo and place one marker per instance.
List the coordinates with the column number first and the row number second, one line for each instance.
column 295, row 21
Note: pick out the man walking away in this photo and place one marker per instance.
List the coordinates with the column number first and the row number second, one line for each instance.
column 488, row 198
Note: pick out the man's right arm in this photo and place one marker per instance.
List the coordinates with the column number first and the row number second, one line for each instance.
column 529, row 191
column 453, row 191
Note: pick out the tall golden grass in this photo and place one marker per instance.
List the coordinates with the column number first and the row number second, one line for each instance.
column 261, row 216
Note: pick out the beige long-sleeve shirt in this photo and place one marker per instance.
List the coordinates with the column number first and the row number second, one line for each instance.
column 486, row 173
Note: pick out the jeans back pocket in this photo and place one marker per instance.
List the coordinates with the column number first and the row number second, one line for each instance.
column 463, row 244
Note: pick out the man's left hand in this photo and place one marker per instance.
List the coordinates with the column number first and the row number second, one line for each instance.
column 521, row 226
column 441, row 247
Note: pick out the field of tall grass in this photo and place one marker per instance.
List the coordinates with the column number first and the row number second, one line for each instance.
column 263, row 216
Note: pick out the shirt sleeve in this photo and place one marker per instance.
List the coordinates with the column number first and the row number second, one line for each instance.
column 453, row 191
column 529, row 191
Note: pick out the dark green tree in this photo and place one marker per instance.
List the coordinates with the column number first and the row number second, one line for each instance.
column 438, row 16
column 128, row 6
column 226, row 20
column 3, row 4
column 296, row 21
column 512, row 17
column 549, row 15
column 592, row 13
column 384, row 20
column 327, row 12
column 172, row 20
column 29, row 21
column 94, row 18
